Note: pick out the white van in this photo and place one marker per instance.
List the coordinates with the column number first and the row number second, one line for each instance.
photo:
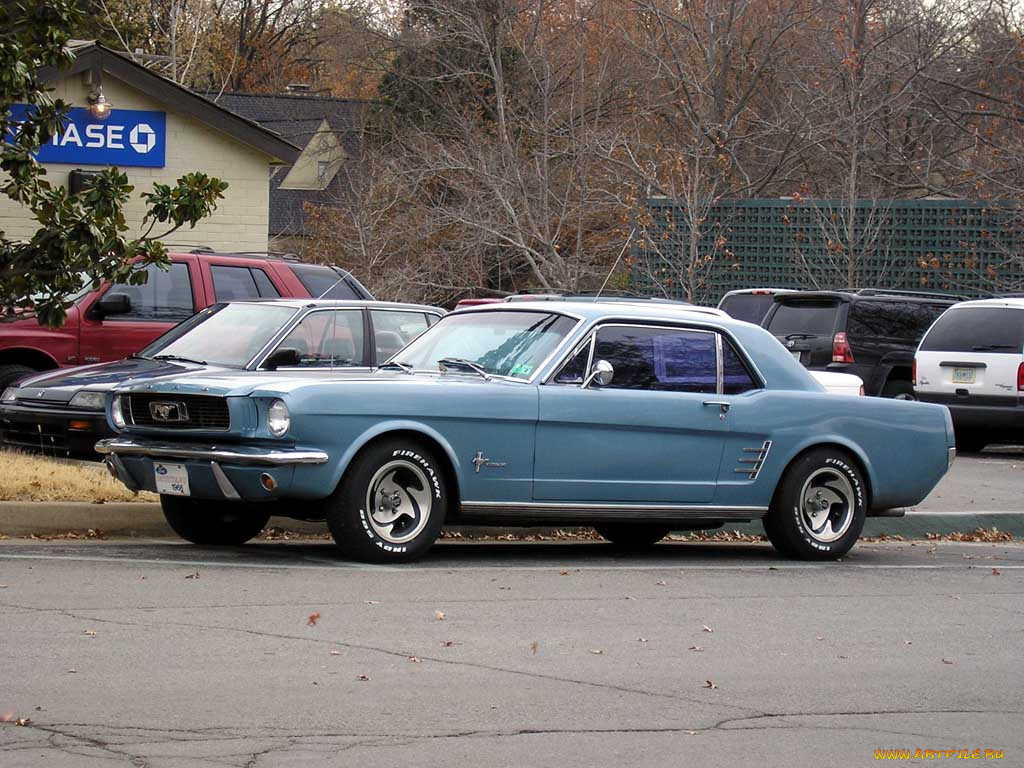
column 972, row 360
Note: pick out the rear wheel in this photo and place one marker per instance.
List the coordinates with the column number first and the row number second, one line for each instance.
column 819, row 506
column 220, row 523
column 632, row 535
column 11, row 373
column 391, row 503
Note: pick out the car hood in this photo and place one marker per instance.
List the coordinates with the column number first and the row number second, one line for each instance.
column 62, row 384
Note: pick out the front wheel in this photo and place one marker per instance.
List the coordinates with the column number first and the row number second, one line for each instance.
column 219, row 523
column 391, row 503
column 819, row 507
column 632, row 536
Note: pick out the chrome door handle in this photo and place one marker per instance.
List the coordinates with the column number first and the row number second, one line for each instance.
column 723, row 406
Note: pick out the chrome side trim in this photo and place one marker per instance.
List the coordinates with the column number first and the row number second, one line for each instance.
column 205, row 452
column 223, row 483
column 567, row 509
column 755, row 462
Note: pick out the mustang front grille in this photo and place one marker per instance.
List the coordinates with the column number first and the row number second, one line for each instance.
column 174, row 411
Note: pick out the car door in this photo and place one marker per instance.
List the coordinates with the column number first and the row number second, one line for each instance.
column 164, row 300
column 653, row 435
column 328, row 339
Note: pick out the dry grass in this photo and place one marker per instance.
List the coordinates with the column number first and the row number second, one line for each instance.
column 24, row 477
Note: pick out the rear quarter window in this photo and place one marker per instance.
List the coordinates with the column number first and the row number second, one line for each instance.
column 904, row 321
column 977, row 329
column 749, row 307
column 323, row 282
column 815, row 318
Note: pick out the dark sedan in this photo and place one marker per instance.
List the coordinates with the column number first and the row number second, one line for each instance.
column 62, row 412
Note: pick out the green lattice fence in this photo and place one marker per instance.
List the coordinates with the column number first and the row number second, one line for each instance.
column 964, row 247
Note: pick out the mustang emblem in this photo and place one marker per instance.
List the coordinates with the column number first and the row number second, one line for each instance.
column 168, row 411
column 482, row 461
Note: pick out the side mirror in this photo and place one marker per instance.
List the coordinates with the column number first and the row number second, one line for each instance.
column 114, row 304
column 602, row 373
column 283, row 356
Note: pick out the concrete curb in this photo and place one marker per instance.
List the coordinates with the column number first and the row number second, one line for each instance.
column 144, row 520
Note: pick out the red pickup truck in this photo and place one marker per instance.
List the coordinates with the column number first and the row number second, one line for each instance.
column 117, row 320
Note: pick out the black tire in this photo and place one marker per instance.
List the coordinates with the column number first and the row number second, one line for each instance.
column 899, row 389
column 405, row 515
column 214, row 523
column 633, row 536
column 819, row 507
column 969, row 441
column 11, row 373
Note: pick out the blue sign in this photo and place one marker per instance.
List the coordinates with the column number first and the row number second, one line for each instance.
column 129, row 137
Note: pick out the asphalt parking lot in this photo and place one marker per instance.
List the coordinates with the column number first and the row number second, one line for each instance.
column 557, row 654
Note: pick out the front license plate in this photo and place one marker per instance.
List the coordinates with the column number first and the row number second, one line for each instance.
column 963, row 375
column 171, row 479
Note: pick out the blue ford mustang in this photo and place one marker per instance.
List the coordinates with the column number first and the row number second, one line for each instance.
column 636, row 419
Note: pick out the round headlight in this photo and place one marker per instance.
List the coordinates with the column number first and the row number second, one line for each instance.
column 115, row 413
column 91, row 400
column 278, row 419
column 10, row 395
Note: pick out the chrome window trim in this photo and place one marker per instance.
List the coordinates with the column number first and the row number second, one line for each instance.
column 274, row 339
column 719, row 372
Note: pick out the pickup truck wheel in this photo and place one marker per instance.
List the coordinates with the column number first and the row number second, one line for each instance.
column 220, row 523
column 632, row 536
column 819, row 507
column 11, row 373
column 391, row 503
column 899, row 389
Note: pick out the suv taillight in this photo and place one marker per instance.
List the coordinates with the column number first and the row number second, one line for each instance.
column 913, row 374
column 1020, row 377
column 841, row 352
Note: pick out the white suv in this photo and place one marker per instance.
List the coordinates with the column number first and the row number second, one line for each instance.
column 972, row 360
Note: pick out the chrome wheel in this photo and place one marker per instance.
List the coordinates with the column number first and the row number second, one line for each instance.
column 827, row 504
column 398, row 501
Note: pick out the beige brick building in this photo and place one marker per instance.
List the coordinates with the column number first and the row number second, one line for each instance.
column 195, row 135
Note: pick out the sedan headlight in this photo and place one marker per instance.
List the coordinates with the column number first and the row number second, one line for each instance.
column 278, row 419
column 115, row 413
column 91, row 400
column 10, row 395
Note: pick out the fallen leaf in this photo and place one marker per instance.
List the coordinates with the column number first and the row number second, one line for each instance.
column 563, row 573
column 3, row 586
column 415, row 659
column 709, row 684
column 193, row 575
column 908, row 642
column 313, row 617
column 819, row 637
column 372, row 602
column 659, row 583
column 447, row 643
column 597, row 651
column 72, row 671
column 996, row 572
column 708, row 629
column 335, row 653
column 23, row 721
column 642, row 639
column 948, row 661
column 89, row 632
column 692, row 733
column 533, row 647
column 439, row 615
column 364, row 678
column 698, row 648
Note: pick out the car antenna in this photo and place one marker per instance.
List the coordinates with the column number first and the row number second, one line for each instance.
column 334, row 285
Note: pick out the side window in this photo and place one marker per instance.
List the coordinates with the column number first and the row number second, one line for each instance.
column 659, row 358
column 575, row 369
column 231, row 283
column 263, row 284
column 328, row 339
column 166, row 296
column 736, row 379
column 393, row 330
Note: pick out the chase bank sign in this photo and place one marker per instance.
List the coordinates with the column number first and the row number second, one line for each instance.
column 127, row 138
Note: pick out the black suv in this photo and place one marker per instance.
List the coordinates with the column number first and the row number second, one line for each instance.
column 869, row 333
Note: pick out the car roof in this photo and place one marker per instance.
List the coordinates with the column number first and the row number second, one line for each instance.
column 300, row 303
column 871, row 295
column 1004, row 301
column 596, row 310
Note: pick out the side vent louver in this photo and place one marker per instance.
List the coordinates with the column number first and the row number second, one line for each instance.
column 753, row 459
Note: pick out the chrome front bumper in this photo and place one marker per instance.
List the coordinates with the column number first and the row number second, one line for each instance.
column 274, row 457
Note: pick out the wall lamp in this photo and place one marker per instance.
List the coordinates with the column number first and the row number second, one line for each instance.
column 99, row 107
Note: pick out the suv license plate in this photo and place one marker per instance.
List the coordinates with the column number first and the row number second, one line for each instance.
column 171, row 479
column 963, row 375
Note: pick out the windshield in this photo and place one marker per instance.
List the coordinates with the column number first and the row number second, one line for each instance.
column 224, row 334
column 507, row 343
column 811, row 318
